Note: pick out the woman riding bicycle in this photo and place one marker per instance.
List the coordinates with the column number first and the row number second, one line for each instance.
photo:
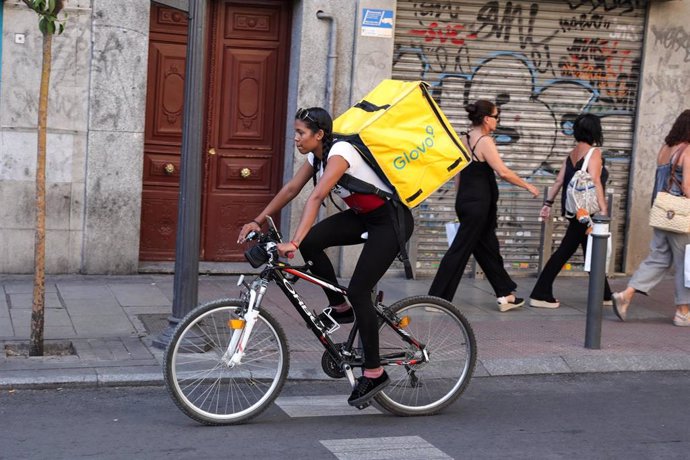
column 367, row 213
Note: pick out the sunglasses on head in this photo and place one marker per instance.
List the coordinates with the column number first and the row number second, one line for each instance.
column 303, row 114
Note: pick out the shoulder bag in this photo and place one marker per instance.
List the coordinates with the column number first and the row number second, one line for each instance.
column 669, row 212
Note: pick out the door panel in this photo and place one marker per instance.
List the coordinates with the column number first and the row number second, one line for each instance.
column 168, row 92
column 242, row 174
column 248, row 95
column 254, row 22
column 159, row 216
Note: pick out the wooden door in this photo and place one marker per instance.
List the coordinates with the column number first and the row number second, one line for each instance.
column 248, row 98
column 247, row 92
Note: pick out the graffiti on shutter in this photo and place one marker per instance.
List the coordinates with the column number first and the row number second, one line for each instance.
column 543, row 63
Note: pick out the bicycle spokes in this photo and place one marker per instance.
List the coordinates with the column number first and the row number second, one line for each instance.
column 430, row 360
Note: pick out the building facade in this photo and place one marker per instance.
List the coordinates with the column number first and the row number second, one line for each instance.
column 115, row 113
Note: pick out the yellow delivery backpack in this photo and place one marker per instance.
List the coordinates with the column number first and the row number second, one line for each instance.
column 401, row 132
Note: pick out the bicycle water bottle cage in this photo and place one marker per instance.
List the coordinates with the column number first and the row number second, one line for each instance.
column 256, row 256
column 333, row 326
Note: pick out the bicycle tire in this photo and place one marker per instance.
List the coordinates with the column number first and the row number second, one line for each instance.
column 208, row 390
column 427, row 388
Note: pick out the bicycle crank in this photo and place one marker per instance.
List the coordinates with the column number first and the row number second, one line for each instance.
column 331, row 367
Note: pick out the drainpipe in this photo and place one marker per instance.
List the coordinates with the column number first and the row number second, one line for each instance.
column 330, row 79
column 350, row 101
column 332, row 59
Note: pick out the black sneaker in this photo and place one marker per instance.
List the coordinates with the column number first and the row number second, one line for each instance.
column 367, row 388
column 341, row 317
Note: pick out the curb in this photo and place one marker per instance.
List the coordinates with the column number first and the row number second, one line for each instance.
column 98, row 377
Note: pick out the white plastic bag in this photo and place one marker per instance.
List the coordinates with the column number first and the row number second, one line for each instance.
column 686, row 266
column 588, row 254
column 451, row 231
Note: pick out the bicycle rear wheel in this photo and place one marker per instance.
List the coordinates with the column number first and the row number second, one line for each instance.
column 202, row 382
column 447, row 337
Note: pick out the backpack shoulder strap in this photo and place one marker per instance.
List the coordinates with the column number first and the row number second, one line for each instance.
column 356, row 185
column 398, row 217
column 587, row 157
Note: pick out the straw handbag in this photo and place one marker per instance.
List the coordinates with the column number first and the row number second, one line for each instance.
column 670, row 212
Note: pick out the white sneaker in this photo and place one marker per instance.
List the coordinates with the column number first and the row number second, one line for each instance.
column 681, row 319
column 553, row 303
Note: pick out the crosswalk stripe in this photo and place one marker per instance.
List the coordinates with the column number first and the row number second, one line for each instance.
column 407, row 447
column 320, row 406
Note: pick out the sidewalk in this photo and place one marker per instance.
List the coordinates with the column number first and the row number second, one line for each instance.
column 111, row 321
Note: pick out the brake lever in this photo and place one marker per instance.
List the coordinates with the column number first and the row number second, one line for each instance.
column 251, row 236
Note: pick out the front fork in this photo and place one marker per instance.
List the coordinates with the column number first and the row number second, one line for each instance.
column 242, row 330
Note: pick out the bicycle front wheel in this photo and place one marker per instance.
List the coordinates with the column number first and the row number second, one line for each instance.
column 427, row 387
column 203, row 382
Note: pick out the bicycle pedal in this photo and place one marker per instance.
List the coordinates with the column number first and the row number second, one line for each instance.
column 363, row 406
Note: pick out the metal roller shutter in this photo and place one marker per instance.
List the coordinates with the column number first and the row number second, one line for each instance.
column 543, row 63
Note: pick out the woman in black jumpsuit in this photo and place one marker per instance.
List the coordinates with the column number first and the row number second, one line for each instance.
column 476, row 207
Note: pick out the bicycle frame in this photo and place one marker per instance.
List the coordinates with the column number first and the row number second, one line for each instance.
column 344, row 357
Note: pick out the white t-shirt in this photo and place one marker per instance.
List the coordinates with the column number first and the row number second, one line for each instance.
column 358, row 167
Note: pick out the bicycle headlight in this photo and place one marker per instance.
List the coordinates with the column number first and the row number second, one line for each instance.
column 256, row 256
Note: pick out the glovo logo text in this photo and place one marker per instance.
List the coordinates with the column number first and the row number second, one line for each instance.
column 408, row 157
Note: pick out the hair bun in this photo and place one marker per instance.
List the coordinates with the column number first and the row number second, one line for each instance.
column 471, row 108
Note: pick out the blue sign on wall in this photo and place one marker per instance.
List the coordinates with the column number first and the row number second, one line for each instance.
column 377, row 23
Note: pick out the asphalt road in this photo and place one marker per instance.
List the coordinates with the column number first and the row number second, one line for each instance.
column 593, row 416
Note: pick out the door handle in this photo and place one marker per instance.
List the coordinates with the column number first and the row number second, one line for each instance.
column 211, row 151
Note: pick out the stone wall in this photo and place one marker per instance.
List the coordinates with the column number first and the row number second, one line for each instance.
column 117, row 101
column 95, row 137
column 67, row 138
column 664, row 89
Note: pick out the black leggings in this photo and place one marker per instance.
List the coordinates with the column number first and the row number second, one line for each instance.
column 575, row 235
column 379, row 251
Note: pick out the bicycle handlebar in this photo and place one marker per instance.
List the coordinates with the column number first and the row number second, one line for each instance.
column 266, row 250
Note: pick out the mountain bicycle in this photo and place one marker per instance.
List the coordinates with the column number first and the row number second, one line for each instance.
column 228, row 359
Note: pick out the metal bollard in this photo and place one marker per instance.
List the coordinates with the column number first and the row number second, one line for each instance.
column 597, row 274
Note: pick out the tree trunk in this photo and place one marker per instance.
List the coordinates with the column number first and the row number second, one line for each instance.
column 38, row 307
